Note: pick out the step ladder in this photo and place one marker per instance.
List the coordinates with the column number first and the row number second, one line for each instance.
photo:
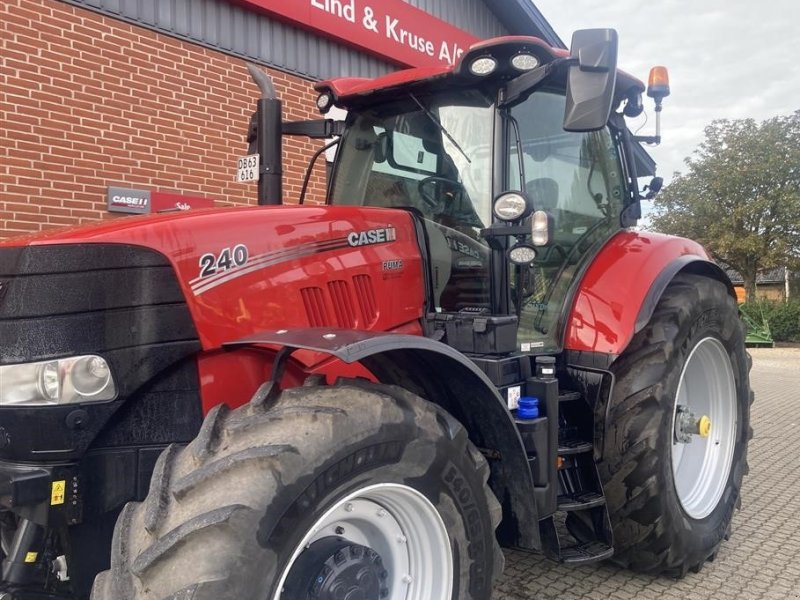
column 580, row 531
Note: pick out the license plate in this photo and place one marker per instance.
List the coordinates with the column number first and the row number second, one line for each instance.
column 247, row 168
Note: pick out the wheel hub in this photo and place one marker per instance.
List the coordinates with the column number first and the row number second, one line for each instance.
column 687, row 425
column 380, row 542
column 703, row 447
column 333, row 568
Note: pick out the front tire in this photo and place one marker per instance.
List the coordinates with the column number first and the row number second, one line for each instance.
column 356, row 488
column 671, row 492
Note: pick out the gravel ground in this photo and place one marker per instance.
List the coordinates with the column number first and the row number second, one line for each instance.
column 762, row 558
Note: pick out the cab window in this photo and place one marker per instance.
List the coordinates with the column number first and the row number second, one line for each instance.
column 577, row 179
column 432, row 155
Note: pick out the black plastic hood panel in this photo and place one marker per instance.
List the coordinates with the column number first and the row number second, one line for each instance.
column 121, row 302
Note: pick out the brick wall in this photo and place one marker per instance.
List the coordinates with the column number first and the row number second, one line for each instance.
column 87, row 101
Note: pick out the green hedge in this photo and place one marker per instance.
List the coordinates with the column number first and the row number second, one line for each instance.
column 783, row 318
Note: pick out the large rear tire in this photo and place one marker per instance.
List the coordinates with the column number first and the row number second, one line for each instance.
column 356, row 490
column 671, row 492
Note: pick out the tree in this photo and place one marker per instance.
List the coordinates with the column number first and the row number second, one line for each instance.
column 741, row 196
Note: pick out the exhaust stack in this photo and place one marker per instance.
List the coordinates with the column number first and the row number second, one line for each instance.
column 268, row 139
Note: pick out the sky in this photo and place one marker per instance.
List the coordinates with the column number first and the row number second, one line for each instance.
column 727, row 59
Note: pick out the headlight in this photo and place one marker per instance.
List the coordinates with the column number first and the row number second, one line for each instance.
column 485, row 65
column 522, row 254
column 62, row 381
column 524, row 62
column 324, row 102
column 510, row 206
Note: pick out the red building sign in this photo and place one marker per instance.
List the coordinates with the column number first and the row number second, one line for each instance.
column 391, row 29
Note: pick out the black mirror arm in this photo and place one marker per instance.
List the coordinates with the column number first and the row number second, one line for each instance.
column 316, row 128
column 647, row 139
column 520, row 88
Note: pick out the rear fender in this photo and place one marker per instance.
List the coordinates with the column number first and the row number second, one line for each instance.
column 447, row 378
column 683, row 264
column 616, row 299
column 623, row 285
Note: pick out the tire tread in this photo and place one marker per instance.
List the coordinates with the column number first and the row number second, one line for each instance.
column 643, row 542
column 238, row 445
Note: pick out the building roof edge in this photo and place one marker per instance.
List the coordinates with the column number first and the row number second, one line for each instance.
column 521, row 17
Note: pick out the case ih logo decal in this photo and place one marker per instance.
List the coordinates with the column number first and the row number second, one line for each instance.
column 372, row 236
column 125, row 200
column 217, row 268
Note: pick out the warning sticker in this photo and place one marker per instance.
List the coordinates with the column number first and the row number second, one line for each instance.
column 57, row 493
column 514, row 393
column 31, row 557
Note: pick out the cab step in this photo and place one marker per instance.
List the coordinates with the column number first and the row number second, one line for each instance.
column 588, row 552
column 580, row 501
column 567, row 396
column 578, row 540
column 574, row 446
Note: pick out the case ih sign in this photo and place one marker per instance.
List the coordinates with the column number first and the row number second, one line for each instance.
column 126, row 200
column 143, row 202
column 391, row 29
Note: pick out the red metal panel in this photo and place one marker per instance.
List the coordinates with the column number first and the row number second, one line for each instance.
column 352, row 86
column 288, row 248
column 612, row 291
column 391, row 29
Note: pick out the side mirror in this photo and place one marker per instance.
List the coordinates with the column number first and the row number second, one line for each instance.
column 591, row 79
column 655, row 185
column 382, row 148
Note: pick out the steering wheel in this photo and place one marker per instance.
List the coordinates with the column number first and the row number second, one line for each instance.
column 433, row 191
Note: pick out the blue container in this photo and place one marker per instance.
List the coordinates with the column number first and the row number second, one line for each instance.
column 528, row 408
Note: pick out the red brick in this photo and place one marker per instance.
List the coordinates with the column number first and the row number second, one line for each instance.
column 110, row 104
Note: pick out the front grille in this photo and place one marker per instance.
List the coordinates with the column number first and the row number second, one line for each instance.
column 316, row 309
column 365, row 294
column 342, row 301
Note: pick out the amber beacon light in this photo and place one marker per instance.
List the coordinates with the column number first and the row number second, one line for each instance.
column 657, row 89
column 658, row 85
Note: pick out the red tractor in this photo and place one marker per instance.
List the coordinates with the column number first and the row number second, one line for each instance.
column 466, row 347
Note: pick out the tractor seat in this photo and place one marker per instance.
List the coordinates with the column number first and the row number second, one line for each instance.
column 544, row 193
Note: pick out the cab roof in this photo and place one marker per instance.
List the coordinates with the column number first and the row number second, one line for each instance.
column 346, row 91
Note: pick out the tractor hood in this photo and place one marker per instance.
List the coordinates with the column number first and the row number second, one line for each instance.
column 229, row 261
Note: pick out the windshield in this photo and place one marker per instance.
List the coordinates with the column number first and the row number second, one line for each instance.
column 432, row 155
column 577, row 178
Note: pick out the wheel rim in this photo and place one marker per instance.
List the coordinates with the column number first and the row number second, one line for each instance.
column 400, row 525
column 701, row 467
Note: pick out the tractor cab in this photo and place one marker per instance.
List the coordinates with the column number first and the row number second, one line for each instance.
column 512, row 168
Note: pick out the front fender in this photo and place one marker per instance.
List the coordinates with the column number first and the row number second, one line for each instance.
column 623, row 284
column 449, row 379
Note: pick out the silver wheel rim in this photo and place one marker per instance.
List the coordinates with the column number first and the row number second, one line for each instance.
column 403, row 527
column 701, row 467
